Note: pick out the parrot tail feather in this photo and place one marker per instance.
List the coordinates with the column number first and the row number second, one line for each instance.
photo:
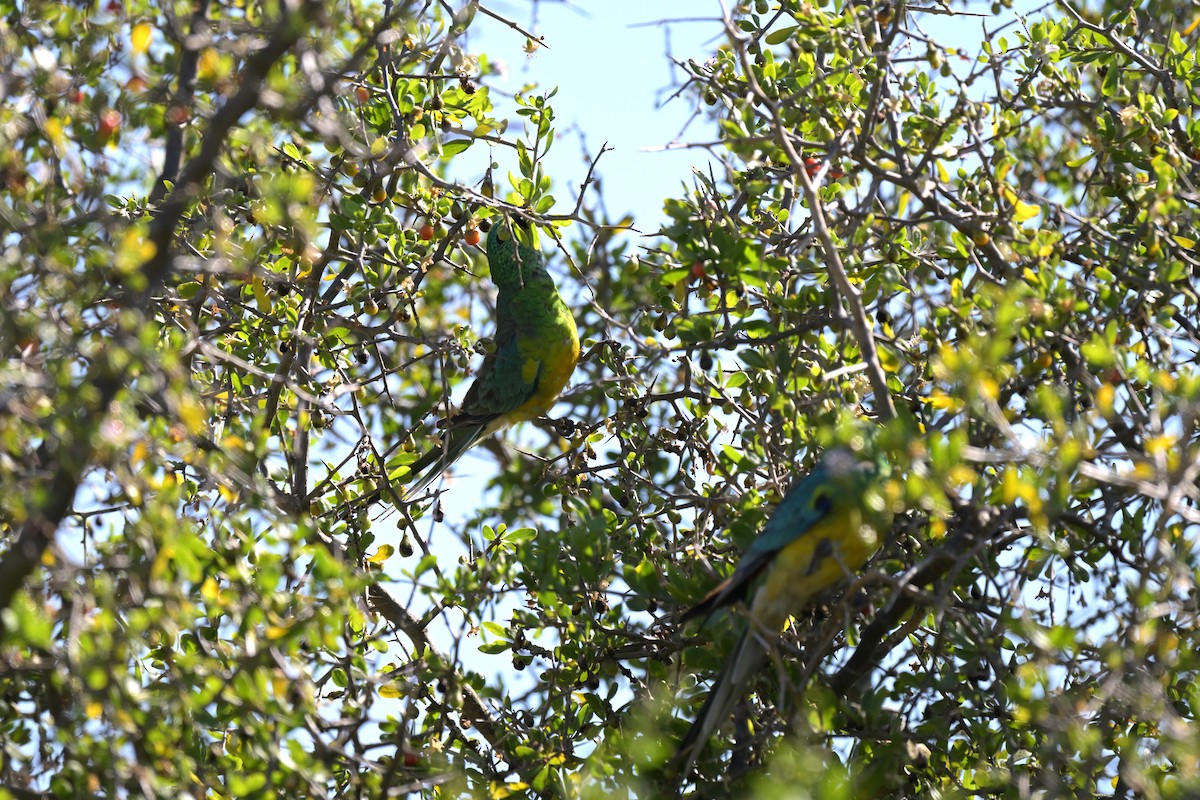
column 431, row 465
column 730, row 590
column 741, row 665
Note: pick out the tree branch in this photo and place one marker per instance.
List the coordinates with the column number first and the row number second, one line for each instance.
column 66, row 456
column 875, row 641
column 859, row 324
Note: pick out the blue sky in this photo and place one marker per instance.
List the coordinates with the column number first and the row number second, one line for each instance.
column 612, row 72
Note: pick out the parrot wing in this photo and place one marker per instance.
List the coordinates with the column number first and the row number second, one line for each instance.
column 502, row 386
column 805, row 504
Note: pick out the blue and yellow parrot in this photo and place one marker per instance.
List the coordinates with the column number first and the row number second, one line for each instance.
column 537, row 347
column 826, row 526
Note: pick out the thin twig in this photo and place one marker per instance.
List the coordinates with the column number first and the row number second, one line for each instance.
column 833, row 261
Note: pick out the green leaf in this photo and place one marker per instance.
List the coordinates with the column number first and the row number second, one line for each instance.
column 1097, row 352
column 455, row 146
column 426, row 563
column 27, row 623
column 781, row 35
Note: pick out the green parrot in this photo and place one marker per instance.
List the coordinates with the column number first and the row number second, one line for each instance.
column 537, row 347
column 822, row 530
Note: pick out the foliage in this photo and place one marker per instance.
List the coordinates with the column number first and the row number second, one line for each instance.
column 240, row 287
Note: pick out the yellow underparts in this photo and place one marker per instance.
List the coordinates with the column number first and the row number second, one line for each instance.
column 828, row 552
column 554, row 361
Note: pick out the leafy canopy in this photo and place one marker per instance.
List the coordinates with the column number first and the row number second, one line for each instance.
column 241, row 282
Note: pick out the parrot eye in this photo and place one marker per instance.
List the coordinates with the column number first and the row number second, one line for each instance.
column 822, row 502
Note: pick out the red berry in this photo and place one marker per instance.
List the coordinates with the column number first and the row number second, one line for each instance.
column 363, row 94
column 425, row 232
column 110, row 123
column 698, row 271
column 472, row 237
column 812, row 166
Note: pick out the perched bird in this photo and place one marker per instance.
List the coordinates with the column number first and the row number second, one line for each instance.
column 536, row 349
column 821, row 530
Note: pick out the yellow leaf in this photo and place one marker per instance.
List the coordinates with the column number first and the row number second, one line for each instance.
column 1025, row 211
column 259, row 288
column 94, row 710
column 937, row 529
column 54, row 131
column 1160, row 444
column 888, row 360
column 961, row 475
column 192, row 415
column 1190, row 29
column 162, row 560
column 943, row 402
column 1011, row 486
column 209, row 590
column 208, row 64
column 276, row 632
column 390, row 690
column 1183, row 241
column 135, row 249
column 1144, row 471
column 140, row 37
column 1105, row 397
column 943, row 175
column 165, row 481
column 382, row 554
